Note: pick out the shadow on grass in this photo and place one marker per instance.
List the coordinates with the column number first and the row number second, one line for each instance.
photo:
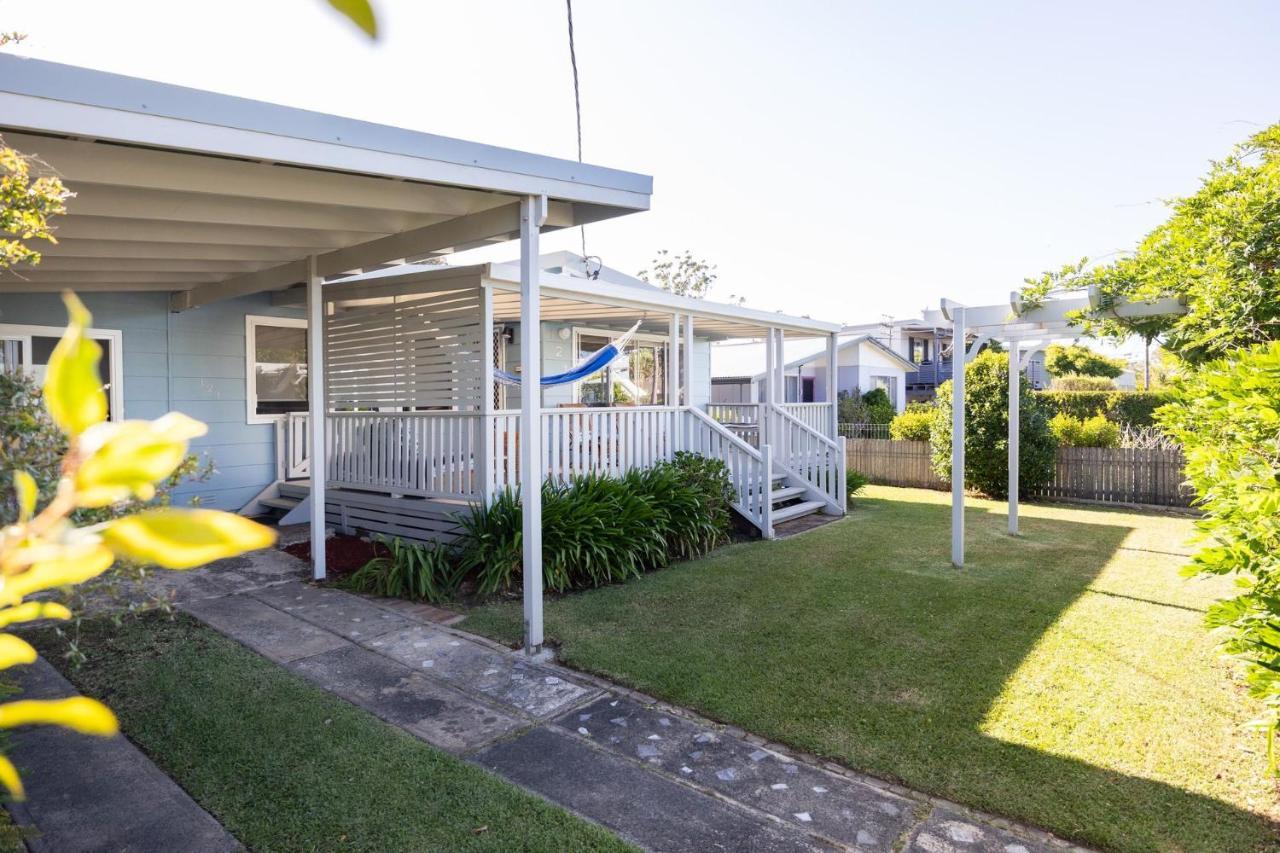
column 861, row 643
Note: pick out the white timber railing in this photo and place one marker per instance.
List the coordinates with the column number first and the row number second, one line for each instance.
column 427, row 454
column 468, row 455
column 293, row 447
column 741, row 419
column 750, row 469
column 807, row 455
column 816, row 416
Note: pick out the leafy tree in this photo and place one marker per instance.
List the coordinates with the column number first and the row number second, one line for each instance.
column 880, row 409
column 986, row 423
column 1227, row 417
column 681, row 274
column 28, row 200
column 1219, row 252
column 105, row 463
column 1076, row 360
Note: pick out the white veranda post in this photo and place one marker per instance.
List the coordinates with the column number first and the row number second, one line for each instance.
column 316, row 408
column 673, row 359
column 1015, row 393
column 959, row 355
column 833, row 370
column 533, row 212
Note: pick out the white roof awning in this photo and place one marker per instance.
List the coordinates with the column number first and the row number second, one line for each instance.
column 213, row 196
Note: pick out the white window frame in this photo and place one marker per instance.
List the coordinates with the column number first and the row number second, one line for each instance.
column 115, row 366
column 612, row 335
column 251, row 324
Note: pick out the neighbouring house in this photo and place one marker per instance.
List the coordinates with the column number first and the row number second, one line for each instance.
column 862, row 364
column 278, row 274
column 928, row 348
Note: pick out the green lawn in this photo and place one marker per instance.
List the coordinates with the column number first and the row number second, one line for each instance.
column 287, row 766
column 1062, row 678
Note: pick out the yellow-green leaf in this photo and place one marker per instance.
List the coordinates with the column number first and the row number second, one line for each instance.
column 126, row 459
column 360, row 13
column 10, row 779
column 72, row 387
column 14, row 651
column 80, row 713
column 24, row 486
column 32, row 610
column 185, row 538
column 56, row 565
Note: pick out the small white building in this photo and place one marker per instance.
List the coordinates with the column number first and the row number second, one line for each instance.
column 863, row 363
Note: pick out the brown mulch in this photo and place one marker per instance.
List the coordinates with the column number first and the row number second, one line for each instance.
column 342, row 554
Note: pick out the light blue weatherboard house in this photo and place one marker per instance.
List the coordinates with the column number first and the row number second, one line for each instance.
column 278, row 274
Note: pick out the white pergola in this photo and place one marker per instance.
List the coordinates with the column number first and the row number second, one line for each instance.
column 1025, row 330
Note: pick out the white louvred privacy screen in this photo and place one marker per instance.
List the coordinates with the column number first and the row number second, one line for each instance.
column 416, row 351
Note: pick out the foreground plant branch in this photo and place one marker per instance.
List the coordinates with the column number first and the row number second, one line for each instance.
column 105, row 464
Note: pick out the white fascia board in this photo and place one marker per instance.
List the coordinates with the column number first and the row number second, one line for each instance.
column 50, row 97
column 586, row 290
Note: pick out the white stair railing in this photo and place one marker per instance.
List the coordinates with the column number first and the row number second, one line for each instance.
column 750, row 470
column 808, row 456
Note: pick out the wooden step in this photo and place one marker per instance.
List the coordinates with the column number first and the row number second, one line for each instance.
column 788, row 513
column 298, row 489
column 788, row 493
column 285, row 504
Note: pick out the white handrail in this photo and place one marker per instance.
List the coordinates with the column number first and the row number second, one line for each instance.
column 808, row 455
column 750, row 470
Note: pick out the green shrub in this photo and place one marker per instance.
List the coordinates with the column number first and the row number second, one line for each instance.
column 912, row 424
column 1096, row 431
column 986, row 443
column 1076, row 382
column 417, row 571
column 1132, row 408
column 598, row 530
column 855, row 482
column 1075, row 360
column 850, row 409
column 491, row 542
column 1227, row 417
column 880, row 409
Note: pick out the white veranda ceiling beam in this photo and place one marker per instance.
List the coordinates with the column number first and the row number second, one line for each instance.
column 451, row 235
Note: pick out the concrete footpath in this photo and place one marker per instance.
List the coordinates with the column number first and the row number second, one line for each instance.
column 658, row 776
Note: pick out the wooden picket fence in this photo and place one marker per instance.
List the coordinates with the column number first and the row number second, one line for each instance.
column 1105, row 474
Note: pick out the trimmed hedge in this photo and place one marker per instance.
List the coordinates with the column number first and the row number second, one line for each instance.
column 1136, row 408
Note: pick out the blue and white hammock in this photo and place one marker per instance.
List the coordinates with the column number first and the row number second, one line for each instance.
column 593, row 363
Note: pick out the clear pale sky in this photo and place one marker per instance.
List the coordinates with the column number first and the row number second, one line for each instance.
column 844, row 160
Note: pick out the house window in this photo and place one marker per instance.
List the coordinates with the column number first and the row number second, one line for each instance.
column 637, row 378
column 920, row 350
column 28, row 348
column 276, row 367
column 889, row 384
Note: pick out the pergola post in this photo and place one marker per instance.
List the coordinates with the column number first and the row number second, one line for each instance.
column 1015, row 394
column 317, row 410
column 959, row 356
column 533, row 212
column 833, row 382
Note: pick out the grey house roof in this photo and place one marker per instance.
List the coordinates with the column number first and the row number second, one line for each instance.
column 210, row 196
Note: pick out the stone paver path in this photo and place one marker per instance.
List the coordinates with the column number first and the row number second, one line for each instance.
column 658, row 776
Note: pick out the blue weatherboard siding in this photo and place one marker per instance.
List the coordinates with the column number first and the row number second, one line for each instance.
column 193, row 362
